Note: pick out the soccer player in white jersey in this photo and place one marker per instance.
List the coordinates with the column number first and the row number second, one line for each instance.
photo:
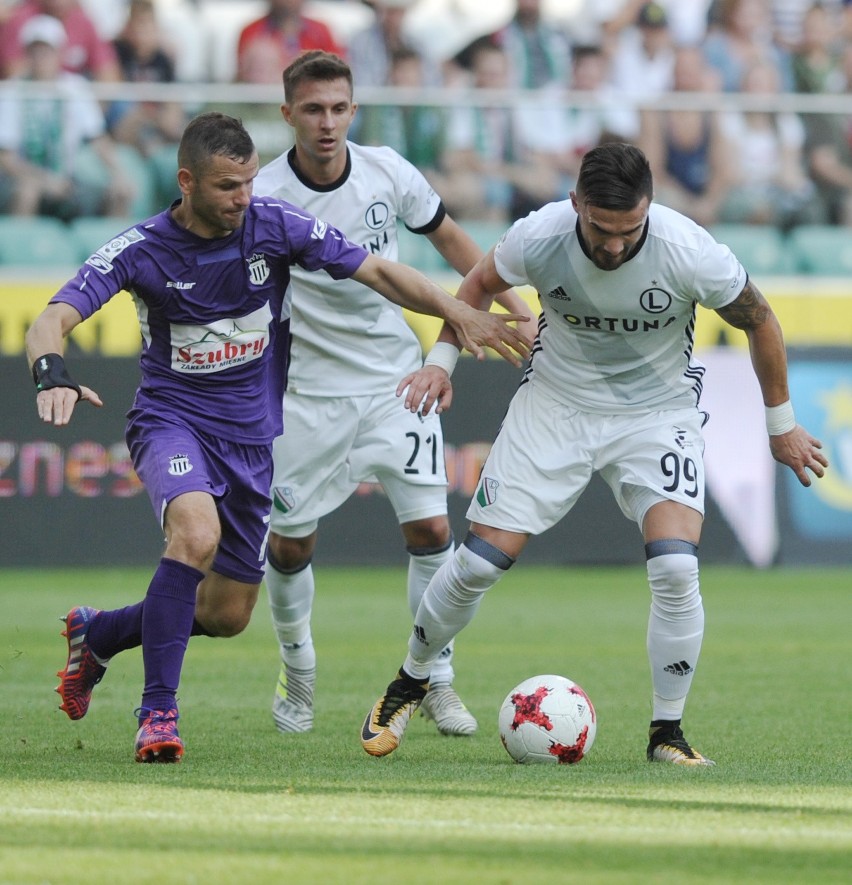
column 344, row 423
column 612, row 387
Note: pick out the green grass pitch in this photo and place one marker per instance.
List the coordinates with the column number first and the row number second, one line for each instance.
column 770, row 703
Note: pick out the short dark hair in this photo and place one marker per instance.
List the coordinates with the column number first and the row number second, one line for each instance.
column 313, row 65
column 614, row 175
column 213, row 134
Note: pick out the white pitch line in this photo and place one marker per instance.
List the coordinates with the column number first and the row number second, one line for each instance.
column 786, row 836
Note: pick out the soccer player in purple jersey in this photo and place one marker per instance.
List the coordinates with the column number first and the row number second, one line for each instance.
column 210, row 277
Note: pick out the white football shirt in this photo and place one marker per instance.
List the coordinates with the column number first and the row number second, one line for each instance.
column 347, row 340
column 619, row 341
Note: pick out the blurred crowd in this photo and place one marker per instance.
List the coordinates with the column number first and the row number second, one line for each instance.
column 572, row 74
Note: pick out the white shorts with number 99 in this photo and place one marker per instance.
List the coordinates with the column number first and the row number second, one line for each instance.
column 545, row 455
column 331, row 445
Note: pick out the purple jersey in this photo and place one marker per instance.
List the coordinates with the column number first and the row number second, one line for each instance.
column 210, row 310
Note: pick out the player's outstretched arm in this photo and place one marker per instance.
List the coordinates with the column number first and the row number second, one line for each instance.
column 461, row 252
column 57, row 393
column 789, row 442
column 431, row 385
column 474, row 329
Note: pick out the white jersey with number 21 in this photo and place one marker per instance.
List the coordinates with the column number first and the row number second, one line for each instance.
column 347, row 340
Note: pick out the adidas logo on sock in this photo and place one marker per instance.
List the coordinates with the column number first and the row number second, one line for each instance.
column 679, row 668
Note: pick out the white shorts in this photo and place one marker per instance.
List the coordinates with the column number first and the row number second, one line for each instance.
column 545, row 455
column 331, row 445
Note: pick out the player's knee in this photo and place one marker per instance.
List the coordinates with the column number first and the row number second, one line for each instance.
column 479, row 565
column 194, row 544
column 425, row 536
column 673, row 575
column 290, row 555
column 227, row 621
column 233, row 625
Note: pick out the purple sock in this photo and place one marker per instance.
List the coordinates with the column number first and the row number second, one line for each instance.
column 166, row 626
column 116, row 630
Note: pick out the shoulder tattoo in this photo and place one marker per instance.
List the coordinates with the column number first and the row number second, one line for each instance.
column 747, row 310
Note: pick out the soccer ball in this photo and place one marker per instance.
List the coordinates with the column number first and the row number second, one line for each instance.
column 547, row 719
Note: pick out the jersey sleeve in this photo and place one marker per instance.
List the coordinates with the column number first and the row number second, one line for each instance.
column 509, row 255
column 320, row 246
column 105, row 273
column 419, row 205
column 719, row 278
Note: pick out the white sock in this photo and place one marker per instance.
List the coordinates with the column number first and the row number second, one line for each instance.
column 291, row 597
column 675, row 630
column 421, row 569
column 451, row 601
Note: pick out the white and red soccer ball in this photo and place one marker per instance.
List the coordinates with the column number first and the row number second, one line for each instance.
column 547, row 719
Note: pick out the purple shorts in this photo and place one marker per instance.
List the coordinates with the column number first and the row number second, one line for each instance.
column 172, row 458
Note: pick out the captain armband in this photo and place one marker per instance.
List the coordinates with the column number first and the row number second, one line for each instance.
column 780, row 419
column 49, row 371
column 443, row 354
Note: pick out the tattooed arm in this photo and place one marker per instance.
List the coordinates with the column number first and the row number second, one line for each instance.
column 751, row 312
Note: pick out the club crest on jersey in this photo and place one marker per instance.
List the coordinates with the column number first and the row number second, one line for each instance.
column 487, row 493
column 284, row 499
column 258, row 269
column 179, row 465
column 655, row 300
column 377, row 215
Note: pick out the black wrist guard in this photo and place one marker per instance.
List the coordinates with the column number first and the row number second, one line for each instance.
column 49, row 371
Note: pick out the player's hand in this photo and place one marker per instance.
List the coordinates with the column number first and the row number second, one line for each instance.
column 477, row 329
column 428, row 386
column 56, row 404
column 800, row 452
column 528, row 331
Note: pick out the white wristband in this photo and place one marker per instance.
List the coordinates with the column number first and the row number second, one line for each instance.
column 780, row 419
column 443, row 354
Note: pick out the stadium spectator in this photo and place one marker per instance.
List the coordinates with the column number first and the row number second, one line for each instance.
column 580, row 126
column 539, row 50
column 742, row 37
column 687, row 19
column 417, row 132
column 45, row 141
column 643, row 55
column 154, row 128
column 828, row 155
column 788, row 19
column 211, row 279
column 370, row 51
column 818, row 57
column 84, row 53
column 769, row 182
column 289, row 30
column 601, row 396
column 496, row 170
column 260, row 61
column 687, row 150
column 345, row 424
